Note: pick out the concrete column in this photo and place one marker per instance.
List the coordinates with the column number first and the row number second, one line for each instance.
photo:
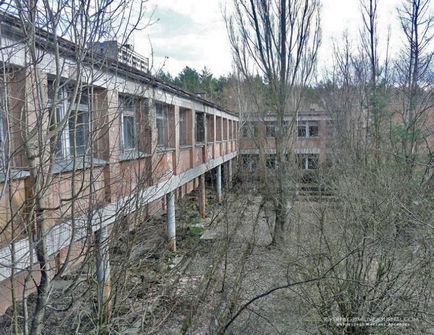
column 202, row 197
column 171, row 224
column 230, row 171
column 219, row 183
column 103, row 272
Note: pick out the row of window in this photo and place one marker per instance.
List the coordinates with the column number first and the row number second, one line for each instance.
column 202, row 122
column 305, row 129
column 73, row 131
column 304, row 161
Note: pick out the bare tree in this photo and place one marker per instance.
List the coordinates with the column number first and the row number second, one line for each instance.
column 414, row 77
column 278, row 40
column 50, row 100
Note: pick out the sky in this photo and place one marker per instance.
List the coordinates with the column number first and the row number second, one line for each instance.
column 192, row 32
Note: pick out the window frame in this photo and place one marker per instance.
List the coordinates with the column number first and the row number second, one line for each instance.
column 128, row 112
column 250, row 162
column 210, row 128
column 164, row 118
column 271, row 162
column 183, row 127
column 199, row 126
column 66, row 108
column 245, row 132
column 270, row 127
column 305, row 160
column 305, row 126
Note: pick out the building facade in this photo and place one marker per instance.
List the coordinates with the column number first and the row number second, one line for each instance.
column 83, row 149
column 306, row 134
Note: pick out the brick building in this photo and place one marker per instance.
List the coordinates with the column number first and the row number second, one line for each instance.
column 307, row 136
column 126, row 140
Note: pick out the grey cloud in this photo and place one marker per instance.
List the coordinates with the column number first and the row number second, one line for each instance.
column 178, row 51
column 171, row 23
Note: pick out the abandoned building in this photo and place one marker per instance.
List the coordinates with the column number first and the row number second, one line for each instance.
column 126, row 140
column 311, row 128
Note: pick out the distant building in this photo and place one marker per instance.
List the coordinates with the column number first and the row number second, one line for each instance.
column 307, row 135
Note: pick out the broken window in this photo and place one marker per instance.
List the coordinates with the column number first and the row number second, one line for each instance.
column 313, row 129
column 70, row 119
column 200, row 127
column 308, row 161
column 308, row 129
column 184, row 122
column 271, row 162
column 250, row 162
column 254, row 130
column 218, row 129
column 128, row 106
column 270, row 129
column 225, row 129
column 210, row 125
column 162, row 124
column 245, row 132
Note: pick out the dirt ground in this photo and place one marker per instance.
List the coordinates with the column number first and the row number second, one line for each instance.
column 221, row 263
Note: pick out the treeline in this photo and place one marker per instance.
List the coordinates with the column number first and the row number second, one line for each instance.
column 219, row 90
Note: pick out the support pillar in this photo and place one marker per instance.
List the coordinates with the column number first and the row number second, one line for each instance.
column 202, row 197
column 103, row 273
column 230, row 171
column 219, row 184
column 171, row 224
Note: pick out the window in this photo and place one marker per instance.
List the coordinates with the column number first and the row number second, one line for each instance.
column 200, row 127
column 128, row 112
column 308, row 161
column 210, row 125
column 271, row 162
column 302, row 129
column 245, row 132
column 78, row 130
column 313, row 129
column 162, row 123
column 308, row 129
column 184, row 121
column 250, row 162
column 254, row 130
column 225, row 129
column 249, row 130
column 72, row 115
column 270, row 129
column 218, row 128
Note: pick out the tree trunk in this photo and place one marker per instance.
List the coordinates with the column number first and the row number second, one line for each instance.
column 44, row 268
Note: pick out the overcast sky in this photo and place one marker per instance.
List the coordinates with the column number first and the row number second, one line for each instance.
column 192, row 32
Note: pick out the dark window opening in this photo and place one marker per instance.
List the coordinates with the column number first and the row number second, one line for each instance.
column 200, row 127
column 270, row 129
column 162, row 124
column 271, row 162
column 128, row 112
column 308, row 161
column 70, row 119
column 308, row 129
column 183, row 121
